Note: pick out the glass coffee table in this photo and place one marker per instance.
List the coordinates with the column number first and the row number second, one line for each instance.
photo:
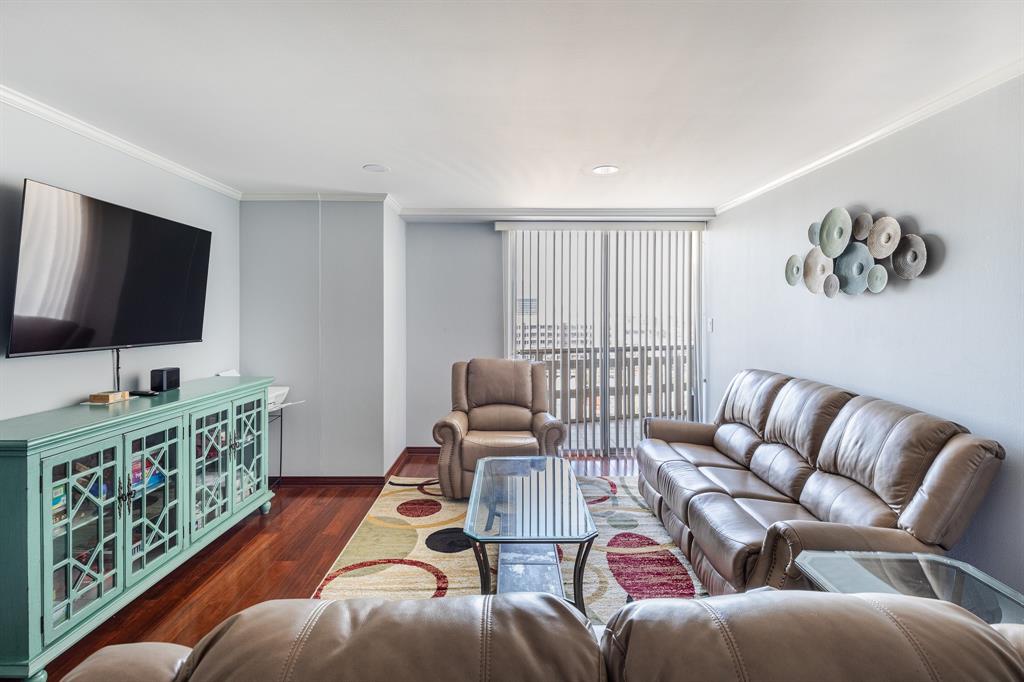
column 527, row 506
column 918, row 575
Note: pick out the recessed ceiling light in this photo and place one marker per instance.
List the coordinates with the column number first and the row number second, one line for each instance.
column 604, row 170
column 375, row 168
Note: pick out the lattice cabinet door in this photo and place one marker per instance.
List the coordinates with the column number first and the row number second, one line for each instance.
column 250, row 447
column 154, row 496
column 210, row 454
column 82, row 547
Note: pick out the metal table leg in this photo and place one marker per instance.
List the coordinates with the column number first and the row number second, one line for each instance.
column 280, row 446
column 480, row 551
column 577, row 575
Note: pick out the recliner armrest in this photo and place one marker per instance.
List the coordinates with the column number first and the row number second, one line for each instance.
column 776, row 565
column 451, row 428
column 676, row 431
column 549, row 431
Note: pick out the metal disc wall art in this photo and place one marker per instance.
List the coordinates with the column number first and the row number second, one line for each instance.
column 883, row 237
column 910, row 256
column 831, row 286
column 878, row 277
column 848, row 254
column 836, row 230
column 817, row 266
column 852, row 268
column 794, row 270
column 814, row 233
column 862, row 225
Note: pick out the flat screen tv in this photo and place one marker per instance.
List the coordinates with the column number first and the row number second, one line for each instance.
column 93, row 275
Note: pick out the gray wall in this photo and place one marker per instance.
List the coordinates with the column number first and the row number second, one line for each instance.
column 314, row 315
column 950, row 342
column 453, row 279
column 34, row 148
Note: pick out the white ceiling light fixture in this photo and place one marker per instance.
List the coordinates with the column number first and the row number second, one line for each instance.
column 605, row 169
column 376, row 168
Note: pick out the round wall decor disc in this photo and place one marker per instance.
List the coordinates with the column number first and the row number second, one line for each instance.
column 862, row 226
column 814, row 233
column 794, row 270
column 883, row 237
column 909, row 258
column 817, row 266
column 831, row 286
column 836, row 229
column 878, row 277
column 852, row 268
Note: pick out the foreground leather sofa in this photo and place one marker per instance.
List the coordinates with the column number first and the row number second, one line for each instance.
column 790, row 464
column 766, row 635
column 499, row 409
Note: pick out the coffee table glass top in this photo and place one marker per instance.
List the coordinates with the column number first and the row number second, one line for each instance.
column 920, row 575
column 527, row 499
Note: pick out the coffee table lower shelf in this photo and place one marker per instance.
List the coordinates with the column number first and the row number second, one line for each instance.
column 532, row 567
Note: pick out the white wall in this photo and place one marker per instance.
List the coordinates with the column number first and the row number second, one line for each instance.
column 453, row 288
column 950, row 342
column 33, row 148
column 322, row 289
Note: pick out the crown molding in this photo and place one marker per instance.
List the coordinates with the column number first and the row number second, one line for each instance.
column 374, row 198
column 18, row 100
column 947, row 101
column 488, row 215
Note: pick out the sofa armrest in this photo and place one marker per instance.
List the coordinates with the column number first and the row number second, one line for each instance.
column 156, row 661
column 776, row 565
column 451, row 428
column 675, row 431
column 549, row 431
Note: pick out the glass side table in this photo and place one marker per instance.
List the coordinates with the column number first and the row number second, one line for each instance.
column 919, row 575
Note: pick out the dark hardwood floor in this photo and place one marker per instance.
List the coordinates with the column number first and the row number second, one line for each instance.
column 281, row 555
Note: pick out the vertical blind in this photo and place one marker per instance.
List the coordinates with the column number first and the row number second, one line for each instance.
column 614, row 315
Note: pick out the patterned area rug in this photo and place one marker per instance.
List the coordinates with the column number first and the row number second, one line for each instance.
column 411, row 545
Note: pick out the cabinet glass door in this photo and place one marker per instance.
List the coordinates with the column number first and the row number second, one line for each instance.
column 82, row 546
column 211, row 466
column 250, row 454
column 154, row 502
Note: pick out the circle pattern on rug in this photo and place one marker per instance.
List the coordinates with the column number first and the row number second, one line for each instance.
column 448, row 541
column 440, row 579
column 419, row 508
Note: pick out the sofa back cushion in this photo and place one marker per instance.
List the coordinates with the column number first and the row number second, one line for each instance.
column 837, row 499
column 492, row 381
column 884, row 447
column 748, row 399
column 500, row 417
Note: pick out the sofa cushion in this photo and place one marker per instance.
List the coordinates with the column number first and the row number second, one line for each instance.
column 839, row 500
column 749, row 398
column 679, row 482
column 704, row 456
column 742, row 483
column 885, row 447
column 801, row 415
column 492, row 380
column 738, row 441
column 651, row 454
column 781, row 467
column 499, row 417
column 727, row 535
column 479, row 444
column 767, row 512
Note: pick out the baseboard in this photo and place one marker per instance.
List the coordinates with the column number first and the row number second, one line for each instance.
column 423, row 450
column 332, row 480
column 398, row 463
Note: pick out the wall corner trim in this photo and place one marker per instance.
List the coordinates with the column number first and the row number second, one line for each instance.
column 947, row 101
column 13, row 98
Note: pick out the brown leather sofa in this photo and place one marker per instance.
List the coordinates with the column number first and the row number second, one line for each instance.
column 791, row 464
column 764, row 635
column 499, row 409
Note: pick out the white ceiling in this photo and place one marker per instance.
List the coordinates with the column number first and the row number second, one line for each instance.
column 500, row 104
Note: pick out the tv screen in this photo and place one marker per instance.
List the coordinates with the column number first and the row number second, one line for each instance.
column 93, row 275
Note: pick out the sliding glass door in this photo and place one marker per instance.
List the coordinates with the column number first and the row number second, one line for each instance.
column 614, row 314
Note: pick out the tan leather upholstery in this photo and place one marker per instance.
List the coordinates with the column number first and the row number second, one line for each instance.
column 762, row 635
column 499, row 409
column 804, row 637
column 791, row 451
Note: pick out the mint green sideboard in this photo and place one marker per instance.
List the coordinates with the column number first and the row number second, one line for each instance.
column 99, row 502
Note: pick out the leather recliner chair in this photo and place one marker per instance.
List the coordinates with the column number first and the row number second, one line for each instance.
column 764, row 635
column 790, row 464
column 499, row 409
